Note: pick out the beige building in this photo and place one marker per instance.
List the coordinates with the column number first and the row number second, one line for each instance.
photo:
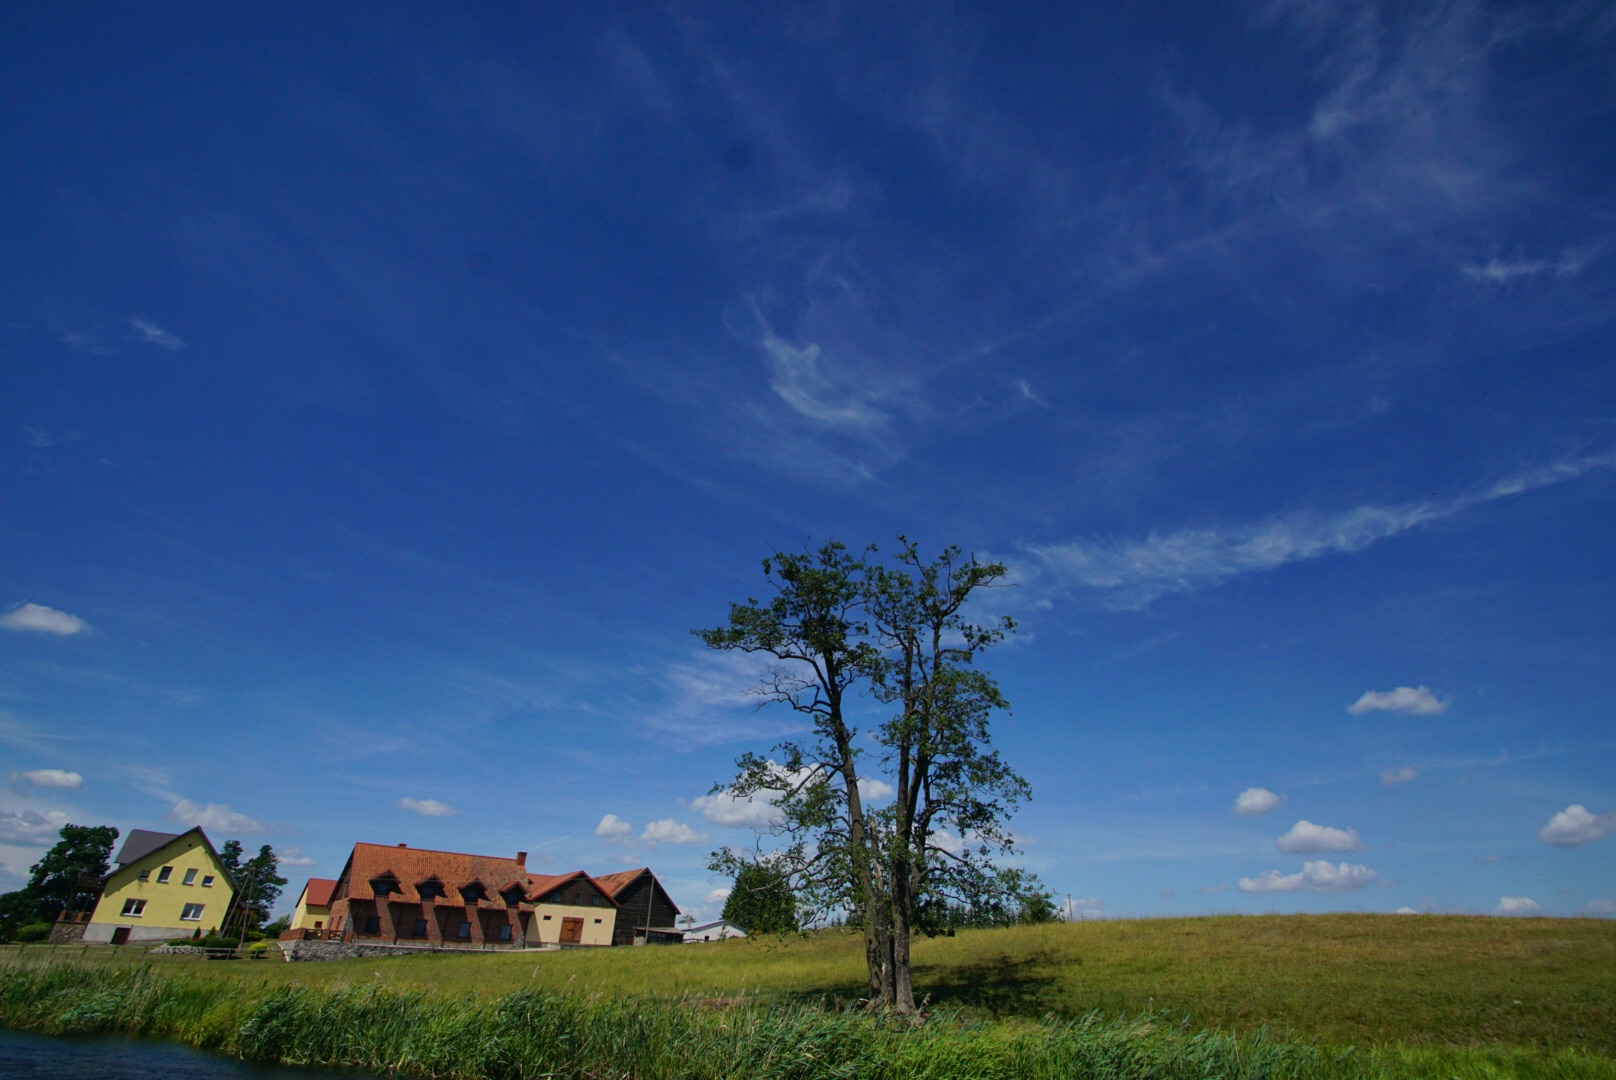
column 569, row 909
column 313, row 910
column 166, row 885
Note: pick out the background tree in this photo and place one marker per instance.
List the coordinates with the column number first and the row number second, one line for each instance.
column 71, row 874
column 230, row 855
column 261, row 884
column 761, row 901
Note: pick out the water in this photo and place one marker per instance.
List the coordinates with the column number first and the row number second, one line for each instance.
column 26, row 1056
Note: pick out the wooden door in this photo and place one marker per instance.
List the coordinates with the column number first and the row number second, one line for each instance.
column 572, row 931
column 120, row 936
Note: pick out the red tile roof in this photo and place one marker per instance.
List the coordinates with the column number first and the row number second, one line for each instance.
column 541, row 886
column 616, row 883
column 410, row 866
column 317, row 892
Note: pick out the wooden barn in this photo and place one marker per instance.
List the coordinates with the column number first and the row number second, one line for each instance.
column 645, row 911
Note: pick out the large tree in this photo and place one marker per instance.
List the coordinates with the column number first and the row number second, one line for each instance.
column 949, row 820
column 813, row 631
column 900, row 629
column 257, row 880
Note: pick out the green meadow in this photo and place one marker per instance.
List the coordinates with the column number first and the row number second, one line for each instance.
column 1311, row 995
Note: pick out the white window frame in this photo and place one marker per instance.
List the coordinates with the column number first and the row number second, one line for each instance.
column 132, row 908
column 207, row 881
column 191, row 913
column 163, row 875
column 190, row 876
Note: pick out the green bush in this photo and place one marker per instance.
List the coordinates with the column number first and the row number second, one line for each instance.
column 38, row 931
column 214, row 941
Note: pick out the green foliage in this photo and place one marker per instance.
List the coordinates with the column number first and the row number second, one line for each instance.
column 278, row 927
column 71, row 874
column 761, row 902
column 32, row 932
column 258, row 884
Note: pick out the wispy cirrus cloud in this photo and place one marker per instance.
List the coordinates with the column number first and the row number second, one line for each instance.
column 1133, row 574
column 428, row 807
column 152, row 334
column 39, row 619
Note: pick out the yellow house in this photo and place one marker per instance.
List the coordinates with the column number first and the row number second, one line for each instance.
column 313, row 911
column 166, row 885
column 569, row 909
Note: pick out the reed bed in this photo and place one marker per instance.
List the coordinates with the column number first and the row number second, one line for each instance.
column 544, row 1033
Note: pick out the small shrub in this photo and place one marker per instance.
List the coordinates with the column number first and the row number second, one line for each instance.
column 38, row 931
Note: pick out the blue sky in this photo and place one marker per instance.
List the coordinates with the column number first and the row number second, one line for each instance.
column 384, row 396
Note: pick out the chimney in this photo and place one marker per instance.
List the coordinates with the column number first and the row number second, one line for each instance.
column 521, row 859
column 403, row 845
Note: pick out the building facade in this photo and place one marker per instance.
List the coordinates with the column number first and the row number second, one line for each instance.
column 313, row 910
column 645, row 911
column 165, row 885
column 570, row 909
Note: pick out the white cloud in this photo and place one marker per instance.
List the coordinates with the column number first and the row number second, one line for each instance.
column 43, row 620
column 717, row 896
column 1256, row 800
column 1401, row 774
column 613, row 828
column 1417, row 700
column 1496, row 271
column 875, row 790
column 1600, row 909
column 1085, row 908
column 1518, row 905
column 427, row 807
column 1306, row 838
column 669, row 831
column 152, row 334
column 1405, row 910
column 293, row 856
column 1576, row 825
column 1134, row 573
column 215, row 816
column 29, row 827
column 52, row 778
column 1318, row 876
column 753, row 811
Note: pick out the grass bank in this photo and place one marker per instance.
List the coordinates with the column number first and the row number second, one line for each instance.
column 541, row 1033
column 1435, row 982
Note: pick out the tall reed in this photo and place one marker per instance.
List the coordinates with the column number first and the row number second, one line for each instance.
column 542, row 1033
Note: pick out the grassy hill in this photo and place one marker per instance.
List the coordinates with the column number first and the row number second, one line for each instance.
column 1342, row 980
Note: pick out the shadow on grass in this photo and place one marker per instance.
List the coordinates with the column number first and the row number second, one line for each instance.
column 1002, row 986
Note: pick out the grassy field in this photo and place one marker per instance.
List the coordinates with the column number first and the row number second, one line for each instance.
column 1530, row 985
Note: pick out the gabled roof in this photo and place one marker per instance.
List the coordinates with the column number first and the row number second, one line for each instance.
column 317, row 891
column 614, row 884
column 712, row 925
column 141, row 843
column 415, row 866
column 543, row 885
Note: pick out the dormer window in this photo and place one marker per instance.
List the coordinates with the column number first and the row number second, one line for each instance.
column 384, row 886
column 430, row 890
column 513, row 897
column 472, row 893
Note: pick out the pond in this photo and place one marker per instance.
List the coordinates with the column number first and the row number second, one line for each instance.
column 26, row 1056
